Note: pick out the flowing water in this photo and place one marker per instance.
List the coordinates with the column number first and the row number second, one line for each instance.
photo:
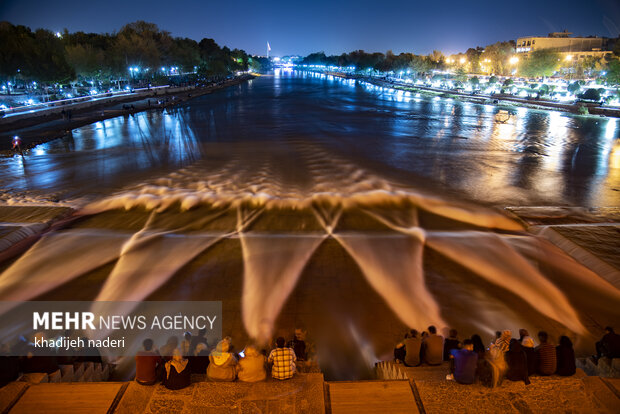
column 351, row 210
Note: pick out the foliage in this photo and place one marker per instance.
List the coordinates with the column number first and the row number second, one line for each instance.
column 591, row 95
column 460, row 75
column 543, row 62
column 259, row 64
column 473, row 59
column 33, row 56
column 46, row 58
column 388, row 62
column 583, row 110
column 499, row 54
column 475, row 82
column 573, row 88
column 613, row 71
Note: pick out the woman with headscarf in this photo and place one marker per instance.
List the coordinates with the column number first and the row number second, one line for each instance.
column 495, row 364
column 199, row 362
column 527, row 343
column 177, row 374
column 517, row 363
column 222, row 364
column 525, row 339
column 565, row 357
column 252, row 366
column 503, row 342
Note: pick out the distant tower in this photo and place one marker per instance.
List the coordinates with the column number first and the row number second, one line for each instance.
column 268, row 50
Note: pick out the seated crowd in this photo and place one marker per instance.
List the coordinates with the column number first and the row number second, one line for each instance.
column 34, row 359
column 174, row 363
column 515, row 359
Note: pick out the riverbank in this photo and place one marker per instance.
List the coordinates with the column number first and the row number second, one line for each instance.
column 43, row 126
column 499, row 99
column 420, row 390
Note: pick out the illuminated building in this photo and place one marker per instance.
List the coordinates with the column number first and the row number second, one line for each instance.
column 570, row 47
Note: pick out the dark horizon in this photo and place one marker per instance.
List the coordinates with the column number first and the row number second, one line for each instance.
column 301, row 29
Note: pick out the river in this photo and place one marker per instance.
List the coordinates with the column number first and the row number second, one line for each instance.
column 302, row 200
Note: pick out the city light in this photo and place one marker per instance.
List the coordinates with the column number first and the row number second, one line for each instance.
column 514, row 60
column 462, row 61
column 568, row 58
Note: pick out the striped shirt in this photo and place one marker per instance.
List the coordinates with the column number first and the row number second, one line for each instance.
column 546, row 359
column 283, row 360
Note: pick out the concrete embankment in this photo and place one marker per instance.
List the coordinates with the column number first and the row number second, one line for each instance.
column 499, row 99
column 42, row 125
column 419, row 390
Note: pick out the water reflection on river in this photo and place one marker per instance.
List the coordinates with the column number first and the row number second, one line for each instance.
column 304, row 199
column 535, row 157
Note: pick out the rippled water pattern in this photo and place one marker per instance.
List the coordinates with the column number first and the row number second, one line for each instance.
column 536, row 157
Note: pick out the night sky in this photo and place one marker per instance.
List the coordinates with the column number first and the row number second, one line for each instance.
column 296, row 27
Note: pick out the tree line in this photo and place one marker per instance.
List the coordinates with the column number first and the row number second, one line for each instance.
column 46, row 57
column 492, row 59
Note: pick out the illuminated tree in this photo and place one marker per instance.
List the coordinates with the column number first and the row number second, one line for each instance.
column 460, row 75
column 499, row 54
column 543, row 62
column 613, row 71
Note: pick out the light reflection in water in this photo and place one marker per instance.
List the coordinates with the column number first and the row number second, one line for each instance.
column 534, row 157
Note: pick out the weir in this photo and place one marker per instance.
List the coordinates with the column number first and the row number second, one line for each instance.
column 414, row 250
column 351, row 226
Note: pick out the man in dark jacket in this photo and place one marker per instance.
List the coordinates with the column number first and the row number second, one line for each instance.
column 451, row 342
column 609, row 345
column 517, row 363
column 298, row 344
column 565, row 357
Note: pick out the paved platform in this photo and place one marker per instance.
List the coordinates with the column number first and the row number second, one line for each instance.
column 87, row 398
column 389, row 397
column 576, row 394
column 303, row 394
column 425, row 391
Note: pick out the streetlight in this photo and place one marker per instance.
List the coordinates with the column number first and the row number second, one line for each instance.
column 514, row 61
column 569, row 58
column 462, row 61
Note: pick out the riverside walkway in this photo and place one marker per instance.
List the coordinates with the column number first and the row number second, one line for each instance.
column 498, row 99
column 425, row 390
column 46, row 122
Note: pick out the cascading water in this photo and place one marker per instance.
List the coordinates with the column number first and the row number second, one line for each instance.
column 425, row 259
